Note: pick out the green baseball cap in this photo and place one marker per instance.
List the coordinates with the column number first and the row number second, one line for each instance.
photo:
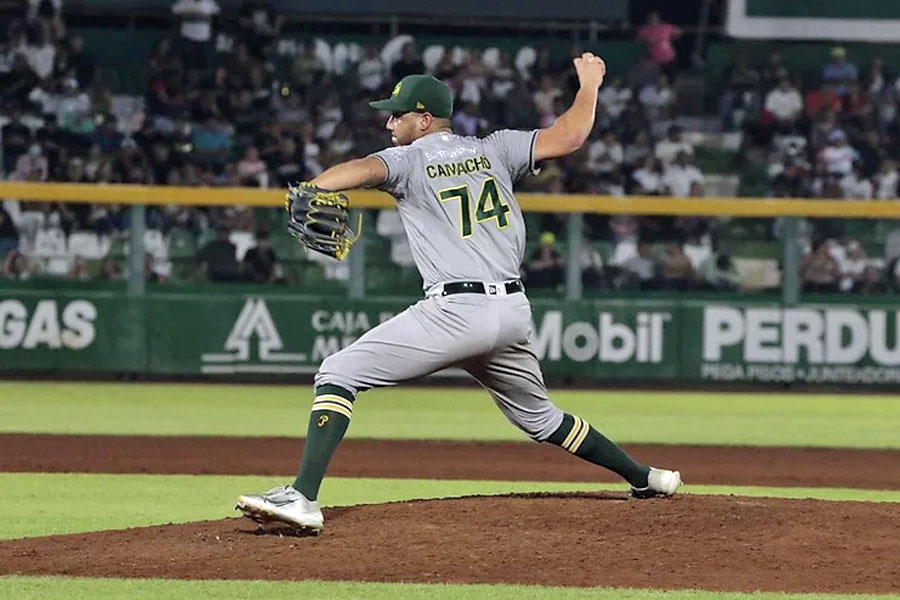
column 419, row 93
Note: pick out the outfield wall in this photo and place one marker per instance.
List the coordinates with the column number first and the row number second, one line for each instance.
column 97, row 332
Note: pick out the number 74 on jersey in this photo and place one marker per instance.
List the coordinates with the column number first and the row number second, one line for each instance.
column 488, row 207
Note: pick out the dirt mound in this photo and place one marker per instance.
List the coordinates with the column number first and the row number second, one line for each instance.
column 708, row 542
column 789, row 467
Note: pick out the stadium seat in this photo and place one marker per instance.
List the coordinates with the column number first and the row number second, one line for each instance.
column 892, row 245
column 181, row 244
column 30, row 222
column 50, row 248
column 390, row 52
column 459, row 55
column 324, row 54
column 243, row 241
column 344, row 55
column 86, row 244
column 491, row 57
column 432, row 56
column 334, row 269
column 623, row 251
column 401, row 252
column 752, row 249
column 50, row 243
column 758, row 273
column 388, row 223
column 697, row 253
column 524, row 60
column 155, row 244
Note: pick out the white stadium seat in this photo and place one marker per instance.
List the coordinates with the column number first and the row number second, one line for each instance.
column 85, row 244
column 243, row 241
column 388, row 223
column 432, row 56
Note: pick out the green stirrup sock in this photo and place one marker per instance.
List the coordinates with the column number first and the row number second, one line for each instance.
column 578, row 437
column 331, row 411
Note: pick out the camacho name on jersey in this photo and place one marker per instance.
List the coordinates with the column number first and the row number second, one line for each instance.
column 463, row 167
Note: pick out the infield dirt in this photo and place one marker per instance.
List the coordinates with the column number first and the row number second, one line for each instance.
column 708, row 542
column 728, row 543
column 738, row 465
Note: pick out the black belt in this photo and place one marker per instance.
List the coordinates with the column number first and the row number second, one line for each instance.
column 476, row 287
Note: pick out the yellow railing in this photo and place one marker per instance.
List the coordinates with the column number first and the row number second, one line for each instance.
column 559, row 203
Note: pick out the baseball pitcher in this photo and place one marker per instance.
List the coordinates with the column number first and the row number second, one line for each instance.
column 465, row 228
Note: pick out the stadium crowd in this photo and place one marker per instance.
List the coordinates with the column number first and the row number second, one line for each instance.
column 231, row 102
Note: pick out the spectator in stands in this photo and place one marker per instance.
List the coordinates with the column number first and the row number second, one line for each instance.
column 740, row 103
column 31, row 166
column 259, row 25
column 886, row 180
column 614, row 97
column 17, row 266
column 287, row 165
column 659, row 35
column 17, row 83
column 677, row 271
column 39, row 52
column 196, row 29
column 640, row 269
column 17, row 139
column 719, row 273
column 544, row 99
column 637, row 151
column 307, row 68
column 251, row 169
column 784, row 104
column 819, row 272
column 260, row 263
column 648, row 179
column 218, row 258
column 83, row 66
column 109, row 269
column 545, row 267
column 669, row 147
column 370, row 70
column 838, row 156
column 9, row 235
column 409, row 64
column 605, row 155
column 212, row 140
column 855, row 186
column 658, row 99
column 519, row 110
column 502, row 78
column 106, row 135
column 893, row 274
column 839, row 73
column 465, row 120
column 853, row 268
column 791, row 177
column 680, row 176
column 773, row 71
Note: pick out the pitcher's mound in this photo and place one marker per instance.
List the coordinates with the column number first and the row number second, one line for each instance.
column 709, row 542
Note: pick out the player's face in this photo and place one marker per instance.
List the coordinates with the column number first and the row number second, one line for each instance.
column 403, row 127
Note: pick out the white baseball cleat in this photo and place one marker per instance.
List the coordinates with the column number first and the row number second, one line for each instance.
column 283, row 504
column 660, row 482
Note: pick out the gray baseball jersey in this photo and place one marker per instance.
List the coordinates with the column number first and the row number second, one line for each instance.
column 455, row 197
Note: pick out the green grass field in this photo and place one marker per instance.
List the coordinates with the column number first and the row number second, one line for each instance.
column 451, row 414
column 40, row 504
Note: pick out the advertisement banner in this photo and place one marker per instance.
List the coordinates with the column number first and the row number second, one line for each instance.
column 601, row 340
column 833, row 20
column 807, row 344
column 71, row 331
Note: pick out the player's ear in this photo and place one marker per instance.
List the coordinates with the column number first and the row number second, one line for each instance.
column 425, row 121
